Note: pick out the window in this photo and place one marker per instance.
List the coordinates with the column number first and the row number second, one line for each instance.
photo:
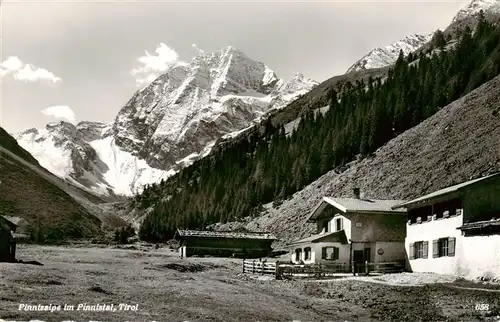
column 443, row 247
column 325, row 225
column 307, row 253
column 330, row 253
column 298, row 255
column 338, row 224
column 419, row 249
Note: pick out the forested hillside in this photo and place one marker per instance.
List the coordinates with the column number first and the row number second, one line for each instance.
column 362, row 117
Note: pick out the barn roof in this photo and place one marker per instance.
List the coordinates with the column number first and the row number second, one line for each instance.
column 8, row 222
column 15, row 220
column 223, row 234
column 444, row 192
column 365, row 205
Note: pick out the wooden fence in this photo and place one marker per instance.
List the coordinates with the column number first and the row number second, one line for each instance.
column 259, row 267
column 310, row 270
column 286, row 269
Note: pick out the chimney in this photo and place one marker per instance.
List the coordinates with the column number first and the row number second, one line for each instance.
column 356, row 192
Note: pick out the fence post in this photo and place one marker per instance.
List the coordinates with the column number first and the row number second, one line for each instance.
column 367, row 269
column 253, row 267
column 353, row 268
column 277, row 271
column 243, row 266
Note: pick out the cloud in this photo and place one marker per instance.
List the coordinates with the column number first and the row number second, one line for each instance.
column 26, row 72
column 60, row 112
column 12, row 64
column 153, row 66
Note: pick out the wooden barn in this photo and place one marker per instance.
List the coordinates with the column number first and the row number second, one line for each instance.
column 7, row 242
column 224, row 243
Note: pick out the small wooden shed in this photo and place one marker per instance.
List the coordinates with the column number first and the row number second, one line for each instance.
column 7, row 243
column 224, row 243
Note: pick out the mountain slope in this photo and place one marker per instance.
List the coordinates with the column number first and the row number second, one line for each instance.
column 28, row 191
column 386, row 56
column 247, row 173
column 167, row 125
column 474, row 7
column 458, row 143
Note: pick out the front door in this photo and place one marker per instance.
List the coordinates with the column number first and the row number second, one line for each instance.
column 358, row 260
column 358, row 256
column 367, row 255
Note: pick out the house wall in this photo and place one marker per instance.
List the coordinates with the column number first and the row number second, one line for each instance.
column 392, row 252
column 481, row 201
column 327, row 220
column 479, row 256
column 316, row 249
column 429, row 231
column 314, row 254
column 344, row 251
column 346, row 225
column 327, row 214
column 378, row 227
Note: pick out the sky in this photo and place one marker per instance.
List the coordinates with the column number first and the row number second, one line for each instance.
column 83, row 60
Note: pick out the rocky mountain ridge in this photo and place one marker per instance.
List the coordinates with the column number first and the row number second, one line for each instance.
column 166, row 125
column 387, row 55
column 474, row 7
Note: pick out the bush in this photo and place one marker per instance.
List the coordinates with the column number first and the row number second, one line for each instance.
column 122, row 234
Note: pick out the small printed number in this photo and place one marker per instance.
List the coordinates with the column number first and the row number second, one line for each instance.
column 482, row 307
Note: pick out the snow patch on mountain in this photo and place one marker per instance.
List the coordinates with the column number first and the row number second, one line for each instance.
column 127, row 174
column 47, row 150
column 385, row 56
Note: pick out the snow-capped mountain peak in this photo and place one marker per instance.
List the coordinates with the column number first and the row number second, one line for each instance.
column 475, row 7
column 166, row 125
column 387, row 55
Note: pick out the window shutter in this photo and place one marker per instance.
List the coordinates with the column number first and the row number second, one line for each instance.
column 425, row 250
column 323, row 253
column 451, row 246
column 336, row 253
column 412, row 251
column 435, row 248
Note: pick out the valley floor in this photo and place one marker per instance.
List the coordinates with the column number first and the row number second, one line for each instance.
column 167, row 288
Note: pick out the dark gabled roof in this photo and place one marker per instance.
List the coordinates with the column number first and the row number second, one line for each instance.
column 339, row 236
column 352, row 205
column 180, row 234
column 480, row 224
column 7, row 222
column 445, row 191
